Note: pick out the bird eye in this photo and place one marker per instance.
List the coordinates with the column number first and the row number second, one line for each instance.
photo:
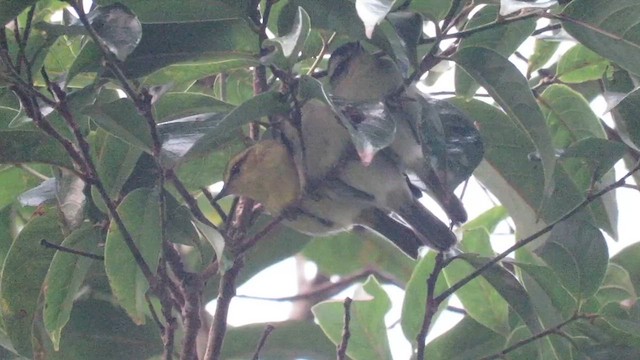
column 235, row 170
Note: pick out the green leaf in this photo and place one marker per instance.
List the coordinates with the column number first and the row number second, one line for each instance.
column 20, row 288
column 164, row 44
column 24, row 146
column 510, row 289
column 480, row 299
column 432, row 9
column 628, row 259
column 467, row 340
column 14, row 182
column 577, row 252
column 415, row 297
column 12, row 8
column 65, row 277
column 174, row 106
column 140, row 213
column 164, row 11
column 488, row 220
column 579, row 64
column 265, row 104
column 121, row 119
column 616, row 286
column 120, row 338
column 599, row 154
column 118, row 27
column 626, row 115
column 510, row 90
column 543, row 51
column 291, row 44
column 504, row 39
column 115, row 161
column 284, row 342
column 368, row 332
column 7, row 229
column 350, row 252
column 613, row 31
column 372, row 12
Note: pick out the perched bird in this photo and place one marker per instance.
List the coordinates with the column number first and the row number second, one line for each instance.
column 266, row 173
column 358, row 76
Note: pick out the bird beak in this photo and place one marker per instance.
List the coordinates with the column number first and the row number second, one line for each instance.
column 222, row 194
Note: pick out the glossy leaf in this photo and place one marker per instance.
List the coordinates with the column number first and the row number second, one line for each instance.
column 503, row 39
column 627, row 258
column 118, row 27
column 24, row 146
column 511, row 91
column 140, row 212
column 578, row 254
column 265, row 104
column 510, row 289
column 480, row 299
column 616, row 286
column 543, row 51
column 368, row 333
column 121, row 119
column 579, row 64
column 413, row 306
column 65, row 277
column 372, row 12
column 432, row 9
column 467, row 340
column 165, row 44
column 163, row 11
column 613, row 31
column 463, row 148
column 291, row 44
column 177, row 105
column 626, row 115
column 115, row 160
column 20, row 288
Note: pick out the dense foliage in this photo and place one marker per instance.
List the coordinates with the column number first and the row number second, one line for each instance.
column 114, row 124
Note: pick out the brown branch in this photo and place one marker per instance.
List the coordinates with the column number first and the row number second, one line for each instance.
column 192, row 287
column 188, row 199
column 263, row 340
column 554, row 330
column 226, row 292
column 248, row 244
column 50, row 245
column 431, row 306
column 346, row 334
column 619, row 183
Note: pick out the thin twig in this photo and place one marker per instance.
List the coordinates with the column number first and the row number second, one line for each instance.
column 214, row 204
column 32, row 171
column 346, row 333
column 431, row 305
column 248, row 244
column 263, row 340
column 50, row 245
column 550, row 331
column 188, row 199
column 323, row 51
column 619, row 183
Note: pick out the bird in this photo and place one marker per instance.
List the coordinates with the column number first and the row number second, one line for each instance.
column 356, row 75
column 265, row 172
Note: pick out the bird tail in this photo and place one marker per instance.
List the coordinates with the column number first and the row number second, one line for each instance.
column 400, row 235
column 434, row 232
column 444, row 197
